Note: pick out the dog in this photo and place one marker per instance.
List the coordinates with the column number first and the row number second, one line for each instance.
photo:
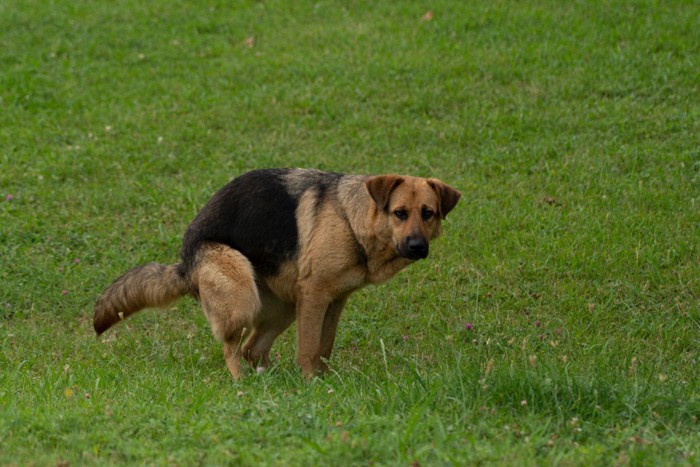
column 278, row 245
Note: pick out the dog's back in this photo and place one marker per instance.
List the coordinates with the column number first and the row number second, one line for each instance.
column 255, row 214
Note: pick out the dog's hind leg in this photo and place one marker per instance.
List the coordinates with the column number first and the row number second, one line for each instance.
column 232, row 352
column 274, row 319
column 229, row 297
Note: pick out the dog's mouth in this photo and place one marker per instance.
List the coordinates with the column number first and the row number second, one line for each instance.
column 414, row 248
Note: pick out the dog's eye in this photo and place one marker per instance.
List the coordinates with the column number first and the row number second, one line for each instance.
column 401, row 214
column 427, row 214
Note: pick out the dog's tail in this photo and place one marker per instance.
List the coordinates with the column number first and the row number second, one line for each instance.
column 150, row 285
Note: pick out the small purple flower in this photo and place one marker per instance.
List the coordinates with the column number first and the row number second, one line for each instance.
column 558, row 331
column 65, row 292
column 76, row 261
column 405, row 338
column 468, row 326
column 9, row 197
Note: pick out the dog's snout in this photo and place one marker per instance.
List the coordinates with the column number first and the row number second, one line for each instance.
column 414, row 247
column 418, row 245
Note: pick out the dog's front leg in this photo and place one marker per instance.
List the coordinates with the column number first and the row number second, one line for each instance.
column 310, row 310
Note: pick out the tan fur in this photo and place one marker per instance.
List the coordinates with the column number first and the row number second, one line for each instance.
column 327, row 271
column 347, row 239
column 229, row 297
column 283, row 285
column 150, row 285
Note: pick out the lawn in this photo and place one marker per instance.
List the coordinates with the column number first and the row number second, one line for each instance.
column 557, row 321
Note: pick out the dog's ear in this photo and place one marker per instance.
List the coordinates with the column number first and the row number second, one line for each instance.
column 381, row 186
column 447, row 195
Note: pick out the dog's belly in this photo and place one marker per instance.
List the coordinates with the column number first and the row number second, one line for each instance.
column 282, row 285
column 274, row 312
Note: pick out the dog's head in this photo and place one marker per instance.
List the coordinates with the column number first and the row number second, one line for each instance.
column 413, row 208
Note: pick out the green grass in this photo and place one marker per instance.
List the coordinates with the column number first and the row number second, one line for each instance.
column 571, row 129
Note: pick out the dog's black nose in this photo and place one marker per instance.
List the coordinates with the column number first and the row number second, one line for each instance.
column 417, row 247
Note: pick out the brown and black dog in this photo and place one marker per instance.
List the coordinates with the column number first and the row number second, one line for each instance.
column 275, row 245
